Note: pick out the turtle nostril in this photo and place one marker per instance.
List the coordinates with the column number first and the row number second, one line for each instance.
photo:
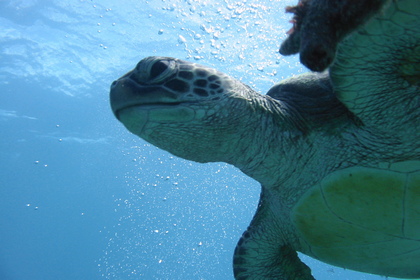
column 114, row 83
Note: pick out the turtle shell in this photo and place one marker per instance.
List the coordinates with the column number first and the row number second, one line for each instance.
column 381, row 232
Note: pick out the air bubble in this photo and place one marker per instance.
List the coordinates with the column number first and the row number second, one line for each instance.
column 181, row 39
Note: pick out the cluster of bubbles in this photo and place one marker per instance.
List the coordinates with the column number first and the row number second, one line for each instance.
column 243, row 36
column 166, row 219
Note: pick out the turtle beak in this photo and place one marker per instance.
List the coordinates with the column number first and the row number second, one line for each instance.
column 127, row 92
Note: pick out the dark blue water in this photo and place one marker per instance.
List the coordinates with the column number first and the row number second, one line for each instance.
column 81, row 198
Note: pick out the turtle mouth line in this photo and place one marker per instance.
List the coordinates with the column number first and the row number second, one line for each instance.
column 146, row 106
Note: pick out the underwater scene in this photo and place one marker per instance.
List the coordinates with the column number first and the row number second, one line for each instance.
column 84, row 199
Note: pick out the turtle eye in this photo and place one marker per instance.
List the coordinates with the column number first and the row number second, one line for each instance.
column 155, row 70
column 158, row 68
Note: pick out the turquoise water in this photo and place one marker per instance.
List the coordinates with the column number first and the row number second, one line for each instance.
column 83, row 199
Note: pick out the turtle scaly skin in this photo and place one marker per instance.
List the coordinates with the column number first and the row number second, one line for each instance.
column 337, row 153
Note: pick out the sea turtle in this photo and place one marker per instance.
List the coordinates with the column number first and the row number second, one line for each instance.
column 337, row 153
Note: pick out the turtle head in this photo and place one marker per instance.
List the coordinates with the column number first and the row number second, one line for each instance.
column 187, row 109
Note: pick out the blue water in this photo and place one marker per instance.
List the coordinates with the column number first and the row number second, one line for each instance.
column 83, row 199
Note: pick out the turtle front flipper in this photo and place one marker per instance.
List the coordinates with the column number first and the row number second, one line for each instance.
column 262, row 254
column 376, row 73
column 319, row 25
